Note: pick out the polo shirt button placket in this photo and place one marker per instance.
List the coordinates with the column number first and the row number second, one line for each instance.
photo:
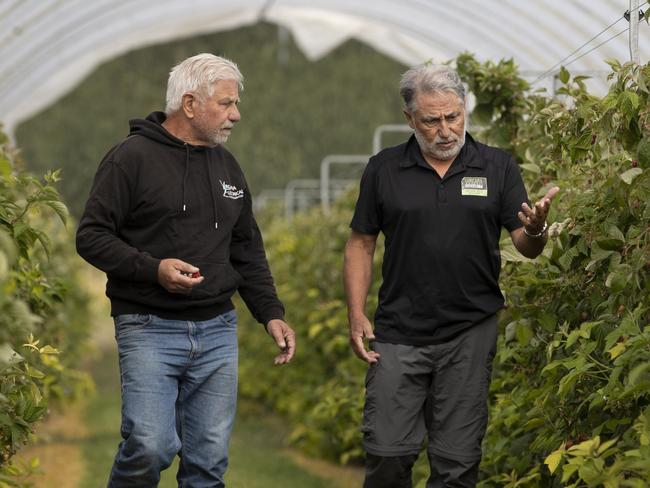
column 442, row 195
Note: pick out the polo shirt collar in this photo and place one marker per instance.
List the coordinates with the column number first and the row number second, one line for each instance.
column 468, row 155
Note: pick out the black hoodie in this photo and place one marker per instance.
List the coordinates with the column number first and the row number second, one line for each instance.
column 155, row 197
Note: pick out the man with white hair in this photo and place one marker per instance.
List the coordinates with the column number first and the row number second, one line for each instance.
column 169, row 220
column 440, row 200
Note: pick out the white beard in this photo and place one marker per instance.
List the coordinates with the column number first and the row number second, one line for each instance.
column 432, row 150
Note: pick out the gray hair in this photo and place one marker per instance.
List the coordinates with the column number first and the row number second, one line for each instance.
column 198, row 74
column 428, row 78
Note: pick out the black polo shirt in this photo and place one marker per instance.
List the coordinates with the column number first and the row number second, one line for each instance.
column 441, row 263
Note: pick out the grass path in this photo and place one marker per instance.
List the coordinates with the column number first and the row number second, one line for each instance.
column 76, row 447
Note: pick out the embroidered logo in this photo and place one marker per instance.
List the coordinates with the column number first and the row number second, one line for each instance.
column 474, row 186
column 230, row 191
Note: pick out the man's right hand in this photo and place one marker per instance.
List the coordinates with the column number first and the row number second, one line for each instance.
column 174, row 276
column 360, row 329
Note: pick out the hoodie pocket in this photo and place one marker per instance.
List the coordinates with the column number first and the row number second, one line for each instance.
column 220, row 280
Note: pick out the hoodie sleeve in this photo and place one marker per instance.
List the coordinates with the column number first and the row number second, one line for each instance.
column 98, row 240
column 249, row 260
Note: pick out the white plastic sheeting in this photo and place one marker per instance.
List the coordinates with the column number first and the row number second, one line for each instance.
column 48, row 46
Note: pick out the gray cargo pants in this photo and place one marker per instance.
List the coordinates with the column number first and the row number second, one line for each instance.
column 437, row 390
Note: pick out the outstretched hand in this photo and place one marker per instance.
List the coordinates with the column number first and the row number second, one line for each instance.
column 360, row 329
column 177, row 276
column 284, row 337
column 535, row 218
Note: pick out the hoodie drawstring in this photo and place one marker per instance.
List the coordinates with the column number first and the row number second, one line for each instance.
column 187, row 170
column 214, row 200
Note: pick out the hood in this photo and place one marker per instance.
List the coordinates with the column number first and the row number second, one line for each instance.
column 152, row 128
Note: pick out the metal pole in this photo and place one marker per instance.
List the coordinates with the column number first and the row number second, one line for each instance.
column 379, row 130
column 290, row 193
column 325, row 173
column 634, row 31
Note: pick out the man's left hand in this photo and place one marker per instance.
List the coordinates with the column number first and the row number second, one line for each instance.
column 284, row 337
column 535, row 218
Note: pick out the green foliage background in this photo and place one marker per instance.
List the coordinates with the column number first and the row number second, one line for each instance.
column 293, row 114
column 43, row 310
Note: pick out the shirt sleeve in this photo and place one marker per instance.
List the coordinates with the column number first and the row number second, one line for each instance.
column 367, row 213
column 514, row 194
column 248, row 258
column 98, row 236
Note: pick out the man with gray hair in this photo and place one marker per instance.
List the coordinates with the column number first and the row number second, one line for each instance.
column 169, row 220
column 440, row 199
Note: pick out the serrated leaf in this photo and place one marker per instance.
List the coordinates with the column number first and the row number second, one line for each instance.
column 60, row 209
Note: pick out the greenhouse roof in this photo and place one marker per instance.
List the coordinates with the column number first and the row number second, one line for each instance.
column 48, row 46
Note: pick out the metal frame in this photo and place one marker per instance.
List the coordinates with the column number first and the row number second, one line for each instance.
column 325, row 166
column 381, row 129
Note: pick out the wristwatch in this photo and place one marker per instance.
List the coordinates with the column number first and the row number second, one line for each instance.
column 538, row 235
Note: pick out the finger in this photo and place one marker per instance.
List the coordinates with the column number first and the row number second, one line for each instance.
column 527, row 211
column 525, row 219
column 290, row 349
column 281, row 358
column 551, row 193
column 360, row 351
column 368, row 333
column 184, row 267
column 278, row 337
column 183, row 282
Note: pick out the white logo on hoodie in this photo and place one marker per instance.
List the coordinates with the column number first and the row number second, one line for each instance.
column 230, row 191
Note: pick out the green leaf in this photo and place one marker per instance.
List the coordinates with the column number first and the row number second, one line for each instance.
column 610, row 243
column 5, row 166
column 524, row 333
column 629, row 175
column 615, row 282
column 629, row 102
column 532, row 167
column 60, row 209
column 636, row 374
column 597, row 254
column 615, row 351
column 553, row 459
column 564, row 75
column 616, row 233
column 8, row 355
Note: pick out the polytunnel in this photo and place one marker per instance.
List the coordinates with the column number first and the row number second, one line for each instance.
column 48, row 46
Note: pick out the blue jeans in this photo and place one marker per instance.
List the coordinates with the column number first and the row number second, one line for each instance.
column 179, row 393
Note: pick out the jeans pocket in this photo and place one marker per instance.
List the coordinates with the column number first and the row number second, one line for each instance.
column 130, row 322
column 229, row 319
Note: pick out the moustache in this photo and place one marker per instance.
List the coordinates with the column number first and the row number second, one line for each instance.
column 445, row 141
